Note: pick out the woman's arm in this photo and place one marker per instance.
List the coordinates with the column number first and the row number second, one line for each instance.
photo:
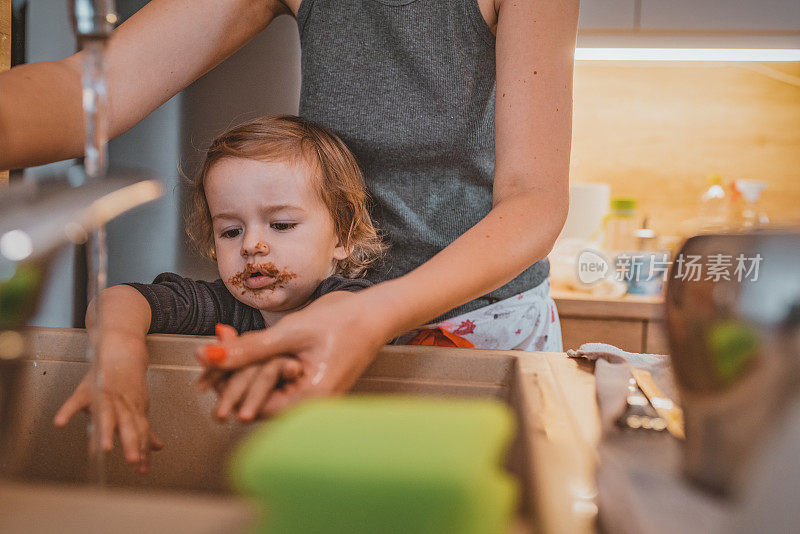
column 152, row 56
column 337, row 339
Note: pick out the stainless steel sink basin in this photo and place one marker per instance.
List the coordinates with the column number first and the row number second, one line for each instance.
column 197, row 447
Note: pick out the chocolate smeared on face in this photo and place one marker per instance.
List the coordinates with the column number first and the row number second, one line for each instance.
column 258, row 277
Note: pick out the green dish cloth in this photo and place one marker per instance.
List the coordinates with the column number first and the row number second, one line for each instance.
column 371, row 464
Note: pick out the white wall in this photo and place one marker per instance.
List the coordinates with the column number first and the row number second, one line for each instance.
column 263, row 78
column 140, row 244
column 49, row 38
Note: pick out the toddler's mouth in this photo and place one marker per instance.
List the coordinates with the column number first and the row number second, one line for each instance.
column 257, row 279
column 260, row 277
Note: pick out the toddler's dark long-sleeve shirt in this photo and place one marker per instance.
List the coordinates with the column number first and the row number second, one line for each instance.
column 180, row 305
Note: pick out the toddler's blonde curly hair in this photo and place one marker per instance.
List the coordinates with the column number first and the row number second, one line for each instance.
column 339, row 182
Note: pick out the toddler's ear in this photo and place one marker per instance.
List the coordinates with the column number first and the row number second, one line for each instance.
column 342, row 252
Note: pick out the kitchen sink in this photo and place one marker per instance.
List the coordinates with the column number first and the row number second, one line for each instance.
column 197, row 447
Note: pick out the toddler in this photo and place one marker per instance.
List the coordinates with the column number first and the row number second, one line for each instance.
column 280, row 204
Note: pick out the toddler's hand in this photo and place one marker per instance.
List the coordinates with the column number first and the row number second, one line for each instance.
column 123, row 404
column 246, row 390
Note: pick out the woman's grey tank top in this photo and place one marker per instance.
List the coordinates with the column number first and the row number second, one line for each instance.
column 409, row 85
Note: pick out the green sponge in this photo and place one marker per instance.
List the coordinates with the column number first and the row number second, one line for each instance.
column 368, row 464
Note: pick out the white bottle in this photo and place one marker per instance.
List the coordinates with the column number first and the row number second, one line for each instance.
column 750, row 215
column 713, row 212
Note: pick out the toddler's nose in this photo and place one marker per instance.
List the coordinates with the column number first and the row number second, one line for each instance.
column 256, row 248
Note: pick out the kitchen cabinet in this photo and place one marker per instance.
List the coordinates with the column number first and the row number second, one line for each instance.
column 689, row 23
column 607, row 14
column 632, row 323
column 730, row 15
column 694, row 15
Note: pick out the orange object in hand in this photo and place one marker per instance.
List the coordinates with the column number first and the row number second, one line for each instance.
column 215, row 354
column 438, row 337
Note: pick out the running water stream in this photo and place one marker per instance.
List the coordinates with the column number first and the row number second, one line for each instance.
column 95, row 105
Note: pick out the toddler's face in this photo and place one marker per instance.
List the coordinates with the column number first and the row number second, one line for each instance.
column 274, row 236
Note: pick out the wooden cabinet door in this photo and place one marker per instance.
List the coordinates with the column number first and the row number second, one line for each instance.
column 742, row 15
column 606, row 14
column 622, row 333
column 656, row 339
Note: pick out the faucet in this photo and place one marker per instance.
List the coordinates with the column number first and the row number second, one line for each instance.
column 37, row 218
column 36, row 221
column 93, row 19
column 93, row 22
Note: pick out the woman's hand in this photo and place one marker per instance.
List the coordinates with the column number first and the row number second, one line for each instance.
column 123, row 402
column 335, row 338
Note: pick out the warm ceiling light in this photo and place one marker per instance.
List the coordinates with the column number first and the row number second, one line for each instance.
column 686, row 54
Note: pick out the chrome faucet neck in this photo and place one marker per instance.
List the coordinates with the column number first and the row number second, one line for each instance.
column 93, row 19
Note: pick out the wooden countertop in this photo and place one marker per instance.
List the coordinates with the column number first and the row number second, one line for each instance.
column 564, row 423
column 575, row 304
column 29, row 508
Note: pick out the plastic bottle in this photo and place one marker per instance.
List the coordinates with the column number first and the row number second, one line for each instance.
column 620, row 226
column 646, row 239
column 749, row 213
column 713, row 212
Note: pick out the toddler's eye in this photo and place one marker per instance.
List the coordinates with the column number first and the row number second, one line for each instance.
column 282, row 226
column 231, row 233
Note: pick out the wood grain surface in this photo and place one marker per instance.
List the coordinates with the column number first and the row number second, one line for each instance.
column 655, row 130
column 5, row 53
column 5, row 34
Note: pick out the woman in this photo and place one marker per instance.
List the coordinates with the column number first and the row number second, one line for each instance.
column 470, row 182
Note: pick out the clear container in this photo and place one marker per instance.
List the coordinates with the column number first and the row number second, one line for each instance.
column 714, row 210
column 748, row 213
column 620, row 226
